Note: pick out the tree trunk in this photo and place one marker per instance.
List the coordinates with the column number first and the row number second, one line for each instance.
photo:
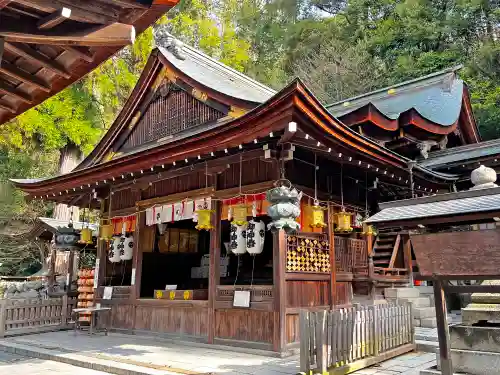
column 70, row 157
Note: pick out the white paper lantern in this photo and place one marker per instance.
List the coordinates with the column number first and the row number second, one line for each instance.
column 114, row 250
column 255, row 235
column 237, row 242
column 127, row 250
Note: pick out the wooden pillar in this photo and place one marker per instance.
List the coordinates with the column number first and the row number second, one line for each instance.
column 442, row 328
column 333, row 265
column 369, row 244
column 135, row 281
column 214, row 268
column 52, row 264
column 279, row 259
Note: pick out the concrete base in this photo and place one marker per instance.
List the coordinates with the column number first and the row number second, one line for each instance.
column 401, row 293
column 428, row 323
column 476, row 312
column 474, row 362
column 486, row 339
column 423, row 312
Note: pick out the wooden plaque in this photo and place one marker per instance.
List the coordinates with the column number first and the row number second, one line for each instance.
column 473, row 253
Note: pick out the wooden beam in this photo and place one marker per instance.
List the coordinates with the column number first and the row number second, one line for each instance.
column 31, row 54
column 395, row 251
column 14, row 72
column 129, row 4
column 279, row 272
column 81, row 52
column 10, row 90
column 442, row 328
column 4, row 3
column 54, row 19
column 81, row 10
column 115, row 34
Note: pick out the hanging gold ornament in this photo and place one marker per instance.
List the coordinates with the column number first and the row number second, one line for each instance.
column 344, row 221
column 204, row 219
column 240, row 214
column 368, row 230
column 106, row 231
column 85, row 236
column 318, row 216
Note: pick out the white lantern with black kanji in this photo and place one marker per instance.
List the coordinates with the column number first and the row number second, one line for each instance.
column 127, row 251
column 237, row 243
column 255, row 235
column 114, row 250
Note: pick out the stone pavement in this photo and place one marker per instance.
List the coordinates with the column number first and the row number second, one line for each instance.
column 126, row 354
column 21, row 365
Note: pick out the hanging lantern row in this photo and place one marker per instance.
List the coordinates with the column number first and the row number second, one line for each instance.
column 368, row 230
column 285, row 206
column 247, row 238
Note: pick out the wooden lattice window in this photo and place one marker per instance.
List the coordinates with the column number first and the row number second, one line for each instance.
column 308, row 253
column 172, row 111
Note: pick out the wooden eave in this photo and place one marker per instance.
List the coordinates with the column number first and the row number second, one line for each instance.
column 46, row 45
column 295, row 102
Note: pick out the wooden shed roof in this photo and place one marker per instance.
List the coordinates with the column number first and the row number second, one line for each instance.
column 46, row 45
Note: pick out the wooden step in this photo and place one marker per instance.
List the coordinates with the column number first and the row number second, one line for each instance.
column 378, row 262
column 385, row 234
column 386, row 239
column 384, row 246
column 379, row 254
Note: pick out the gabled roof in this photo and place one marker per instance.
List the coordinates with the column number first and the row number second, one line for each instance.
column 51, row 44
column 216, row 75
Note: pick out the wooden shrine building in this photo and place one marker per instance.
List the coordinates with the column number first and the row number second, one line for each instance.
column 46, row 45
column 195, row 133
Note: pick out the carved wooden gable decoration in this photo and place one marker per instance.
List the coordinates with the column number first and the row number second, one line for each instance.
column 170, row 111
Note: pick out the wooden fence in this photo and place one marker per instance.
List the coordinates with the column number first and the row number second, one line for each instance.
column 24, row 316
column 346, row 340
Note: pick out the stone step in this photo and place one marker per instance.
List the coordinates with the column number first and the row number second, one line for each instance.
column 427, row 346
column 473, row 362
column 416, row 302
column 401, row 293
column 423, row 312
column 426, row 290
column 435, row 371
column 428, row 322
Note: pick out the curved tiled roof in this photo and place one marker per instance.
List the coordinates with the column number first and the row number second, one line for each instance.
column 436, row 97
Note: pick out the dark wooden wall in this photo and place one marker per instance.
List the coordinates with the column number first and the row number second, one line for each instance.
column 172, row 111
column 244, row 325
column 307, row 293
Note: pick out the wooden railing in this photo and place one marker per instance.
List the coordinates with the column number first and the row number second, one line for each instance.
column 353, row 338
column 24, row 316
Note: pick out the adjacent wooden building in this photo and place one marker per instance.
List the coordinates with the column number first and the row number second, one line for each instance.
column 196, row 133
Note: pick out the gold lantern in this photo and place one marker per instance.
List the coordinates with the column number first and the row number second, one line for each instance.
column 368, row 230
column 240, row 212
column 204, row 219
column 344, row 222
column 106, row 231
column 318, row 216
column 85, row 236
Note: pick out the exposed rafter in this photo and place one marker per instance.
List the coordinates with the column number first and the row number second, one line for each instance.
column 31, row 54
column 81, row 10
column 81, row 52
column 54, row 19
column 10, row 90
column 115, row 34
column 7, row 107
column 2, row 44
column 14, row 72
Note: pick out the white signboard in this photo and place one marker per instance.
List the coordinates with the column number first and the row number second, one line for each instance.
column 96, row 273
column 241, row 298
column 108, row 291
column 132, row 278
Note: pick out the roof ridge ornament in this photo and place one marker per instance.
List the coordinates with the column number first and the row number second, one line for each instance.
column 483, row 177
column 166, row 40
